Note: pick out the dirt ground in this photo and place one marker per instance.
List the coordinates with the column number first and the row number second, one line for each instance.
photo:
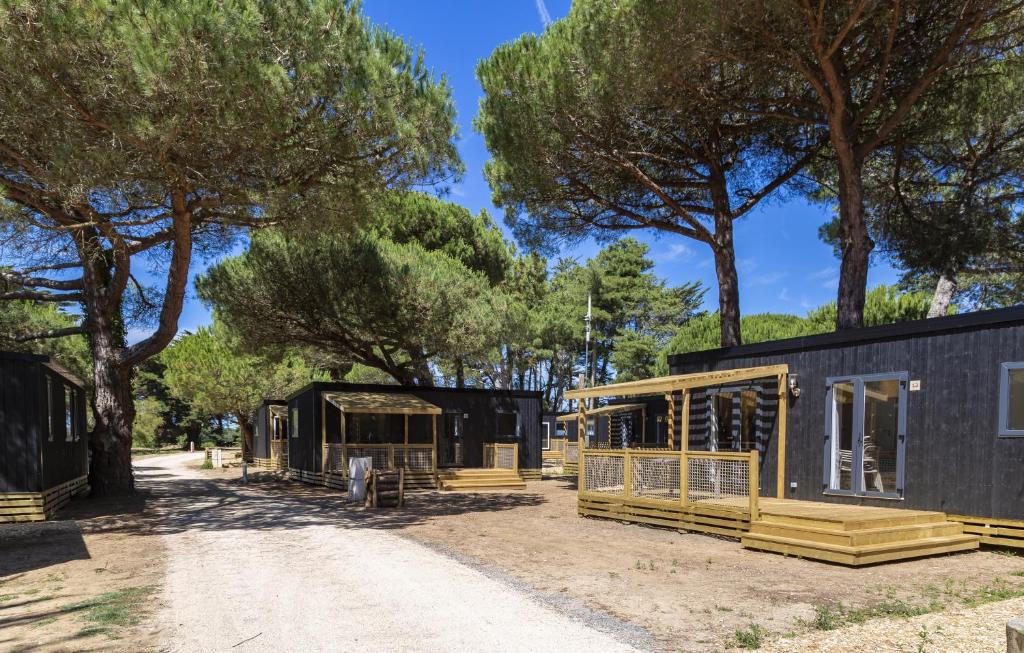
column 79, row 583
column 691, row 592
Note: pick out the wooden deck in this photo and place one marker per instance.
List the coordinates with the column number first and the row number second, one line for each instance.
column 838, row 533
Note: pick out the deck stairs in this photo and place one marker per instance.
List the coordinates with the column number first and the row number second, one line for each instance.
column 480, row 479
column 856, row 535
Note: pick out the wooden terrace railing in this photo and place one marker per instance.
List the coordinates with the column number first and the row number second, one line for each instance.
column 501, row 456
column 411, row 457
column 717, row 480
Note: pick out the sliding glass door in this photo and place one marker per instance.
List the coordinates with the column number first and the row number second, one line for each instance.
column 865, row 434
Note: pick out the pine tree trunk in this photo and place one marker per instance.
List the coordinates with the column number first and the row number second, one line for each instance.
column 245, row 430
column 943, row 297
column 460, row 373
column 110, row 442
column 855, row 241
column 725, row 263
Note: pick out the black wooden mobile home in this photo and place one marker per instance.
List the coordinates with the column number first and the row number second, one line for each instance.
column 926, row 414
column 637, row 423
column 421, row 428
column 43, row 445
column 270, row 435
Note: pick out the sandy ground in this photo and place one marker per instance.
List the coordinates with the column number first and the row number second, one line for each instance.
column 47, row 568
column 250, row 569
column 959, row 630
column 282, row 566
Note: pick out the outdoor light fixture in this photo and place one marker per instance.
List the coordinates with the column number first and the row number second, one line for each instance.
column 793, row 385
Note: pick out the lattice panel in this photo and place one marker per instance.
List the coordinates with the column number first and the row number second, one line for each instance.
column 572, row 452
column 726, row 482
column 656, row 477
column 379, row 455
column 505, row 458
column 413, row 459
column 335, row 459
column 604, row 474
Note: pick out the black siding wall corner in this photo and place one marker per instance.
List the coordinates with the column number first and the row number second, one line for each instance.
column 955, row 461
column 29, row 460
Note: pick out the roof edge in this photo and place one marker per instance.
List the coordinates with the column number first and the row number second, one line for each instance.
column 949, row 323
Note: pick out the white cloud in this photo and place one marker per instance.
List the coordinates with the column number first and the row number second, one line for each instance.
column 784, row 295
column 542, row 11
column 675, row 252
column 457, row 191
column 823, row 273
column 766, row 279
column 830, row 283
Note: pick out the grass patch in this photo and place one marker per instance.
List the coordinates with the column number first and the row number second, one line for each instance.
column 831, row 617
column 751, row 637
column 1018, row 573
column 207, row 464
column 111, row 610
column 43, row 622
column 4, row 598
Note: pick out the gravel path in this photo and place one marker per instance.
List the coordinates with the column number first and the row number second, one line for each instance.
column 238, row 581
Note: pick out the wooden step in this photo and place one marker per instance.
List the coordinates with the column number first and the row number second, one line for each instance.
column 852, row 521
column 860, row 555
column 859, row 537
column 475, row 473
column 505, row 484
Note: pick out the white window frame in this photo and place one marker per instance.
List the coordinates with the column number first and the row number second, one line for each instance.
column 293, row 422
column 547, row 436
column 857, row 463
column 1004, row 400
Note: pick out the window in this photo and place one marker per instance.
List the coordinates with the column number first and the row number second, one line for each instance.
column 70, row 432
column 49, row 409
column 293, row 423
column 560, row 430
column 865, row 434
column 732, row 419
column 547, row 435
column 374, row 428
column 1011, row 400
column 508, row 425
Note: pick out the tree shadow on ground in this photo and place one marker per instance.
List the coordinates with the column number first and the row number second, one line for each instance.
column 267, row 503
column 24, row 547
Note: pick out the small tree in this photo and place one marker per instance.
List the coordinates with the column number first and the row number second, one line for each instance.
column 394, row 307
column 163, row 129
column 211, row 371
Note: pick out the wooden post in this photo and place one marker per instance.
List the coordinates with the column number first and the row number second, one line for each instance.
column 391, row 456
column 406, row 429
column 643, row 424
column 684, row 478
column 344, row 443
column 515, row 457
column 433, row 450
column 627, row 474
column 752, row 476
column 780, row 482
column 323, row 434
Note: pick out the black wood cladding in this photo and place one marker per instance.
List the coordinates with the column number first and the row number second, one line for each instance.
column 955, row 460
column 32, row 457
column 480, row 425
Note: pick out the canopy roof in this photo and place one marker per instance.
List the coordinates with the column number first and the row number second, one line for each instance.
column 280, row 410
column 664, row 384
column 610, row 409
column 381, row 402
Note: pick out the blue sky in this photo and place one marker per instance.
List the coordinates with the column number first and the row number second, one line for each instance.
column 783, row 266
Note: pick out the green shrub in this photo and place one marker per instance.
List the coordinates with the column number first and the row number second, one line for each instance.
column 751, row 638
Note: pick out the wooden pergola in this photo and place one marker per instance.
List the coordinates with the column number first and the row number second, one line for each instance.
column 685, row 383
column 381, row 403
